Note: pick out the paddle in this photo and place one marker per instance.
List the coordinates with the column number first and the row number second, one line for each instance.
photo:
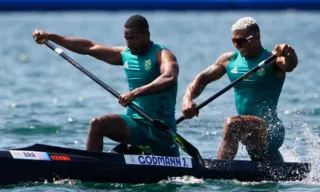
column 182, row 143
column 122, row 148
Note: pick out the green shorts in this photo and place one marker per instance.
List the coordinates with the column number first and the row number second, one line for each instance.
column 143, row 133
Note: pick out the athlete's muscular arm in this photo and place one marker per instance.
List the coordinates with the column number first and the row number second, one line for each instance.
column 111, row 55
column 195, row 88
column 169, row 70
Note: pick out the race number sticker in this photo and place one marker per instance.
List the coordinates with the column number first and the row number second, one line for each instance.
column 158, row 161
column 30, row 155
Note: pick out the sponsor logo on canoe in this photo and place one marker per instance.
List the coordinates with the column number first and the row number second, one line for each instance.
column 30, row 155
column 158, row 161
column 60, row 158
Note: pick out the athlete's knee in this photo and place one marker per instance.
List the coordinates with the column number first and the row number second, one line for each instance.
column 94, row 122
column 98, row 125
column 94, row 125
column 232, row 121
column 232, row 128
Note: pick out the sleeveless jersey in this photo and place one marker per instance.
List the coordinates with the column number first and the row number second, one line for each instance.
column 141, row 70
column 258, row 95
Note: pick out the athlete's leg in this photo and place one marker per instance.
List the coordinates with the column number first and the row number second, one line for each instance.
column 250, row 130
column 120, row 128
column 275, row 138
column 111, row 126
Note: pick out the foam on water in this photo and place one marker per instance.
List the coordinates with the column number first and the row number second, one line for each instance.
column 65, row 182
column 183, row 180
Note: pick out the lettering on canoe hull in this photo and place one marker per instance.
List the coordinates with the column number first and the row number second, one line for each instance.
column 30, row 155
column 158, row 161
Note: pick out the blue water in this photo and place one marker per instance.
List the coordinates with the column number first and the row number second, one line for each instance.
column 46, row 100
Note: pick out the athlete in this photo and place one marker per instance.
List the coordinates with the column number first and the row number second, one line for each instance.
column 257, row 125
column 152, row 72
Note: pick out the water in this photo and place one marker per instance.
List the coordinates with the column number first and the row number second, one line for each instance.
column 46, row 100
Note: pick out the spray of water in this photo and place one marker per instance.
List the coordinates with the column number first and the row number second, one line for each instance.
column 313, row 155
column 183, row 180
column 304, row 145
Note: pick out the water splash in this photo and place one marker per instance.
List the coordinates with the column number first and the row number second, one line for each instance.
column 290, row 154
column 66, row 182
column 309, row 152
column 304, row 143
column 313, row 154
column 183, row 180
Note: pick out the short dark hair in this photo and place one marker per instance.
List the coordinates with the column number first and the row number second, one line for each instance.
column 137, row 21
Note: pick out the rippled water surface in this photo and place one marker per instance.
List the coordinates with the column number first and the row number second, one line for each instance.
column 46, row 100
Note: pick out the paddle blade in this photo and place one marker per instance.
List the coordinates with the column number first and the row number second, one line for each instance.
column 183, row 144
column 194, row 153
column 188, row 148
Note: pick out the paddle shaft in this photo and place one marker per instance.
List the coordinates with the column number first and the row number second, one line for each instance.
column 94, row 78
column 240, row 79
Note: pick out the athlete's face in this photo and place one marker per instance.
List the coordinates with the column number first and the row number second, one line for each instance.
column 245, row 41
column 137, row 40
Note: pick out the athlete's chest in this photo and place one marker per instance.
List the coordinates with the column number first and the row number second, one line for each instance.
column 241, row 67
column 141, row 69
column 142, row 64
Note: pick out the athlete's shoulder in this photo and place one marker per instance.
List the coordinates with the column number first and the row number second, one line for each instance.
column 125, row 50
column 225, row 57
column 159, row 46
column 228, row 55
column 166, row 54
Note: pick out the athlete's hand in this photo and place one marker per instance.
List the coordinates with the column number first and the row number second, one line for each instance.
column 189, row 109
column 40, row 36
column 126, row 98
column 283, row 50
column 287, row 58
